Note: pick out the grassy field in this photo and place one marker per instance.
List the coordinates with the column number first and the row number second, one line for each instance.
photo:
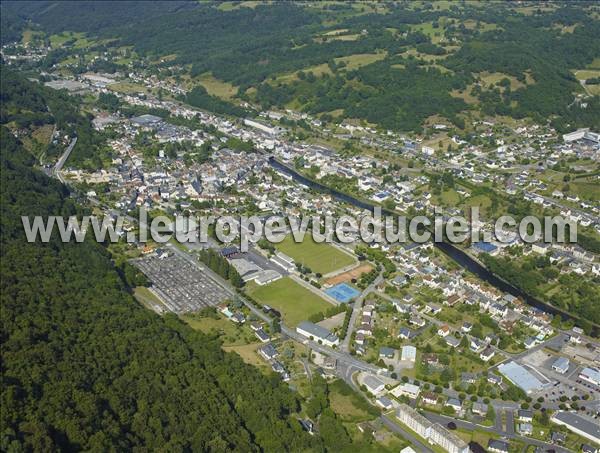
column 43, row 134
column 339, row 37
column 147, row 298
column 80, row 40
column 360, row 59
column 436, row 34
column 216, row 87
column 322, row 258
column 249, row 354
column 317, row 70
column 586, row 190
column 295, row 302
column 127, row 87
column 450, row 197
column 491, row 78
column 584, row 74
column 349, row 406
column 230, row 6
column 231, row 333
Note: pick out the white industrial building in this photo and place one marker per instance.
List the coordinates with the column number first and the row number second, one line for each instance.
column 591, row 375
column 588, row 428
column 409, row 353
column 263, row 127
column 317, row 333
column 433, row 432
column 407, row 389
column 521, row 377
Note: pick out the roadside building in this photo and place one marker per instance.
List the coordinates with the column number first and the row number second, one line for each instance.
column 386, row 353
column 447, row 440
column 480, row 408
column 454, row 403
column 384, row 402
column 373, row 385
column 434, row 433
column 583, row 426
column 487, row 354
column 525, row 415
column 317, row 333
column 262, row 335
column 591, row 375
column 407, row 389
column 525, row 429
column 561, row 365
column 521, row 377
column 414, row 420
column 498, row 446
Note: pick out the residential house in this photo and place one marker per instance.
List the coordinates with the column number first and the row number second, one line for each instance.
column 429, row 398
column 487, row 354
column 386, row 353
column 443, row 331
column 268, row 351
column 525, row 415
column 525, row 429
column 480, row 408
column 454, row 403
column 498, row 446
column 405, row 333
column 262, row 335
column 452, row 341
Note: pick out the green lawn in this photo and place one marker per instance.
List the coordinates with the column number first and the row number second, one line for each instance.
column 322, row 258
column 216, row 87
column 231, row 334
column 127, row 87
column 355, row 61
column 295, row 302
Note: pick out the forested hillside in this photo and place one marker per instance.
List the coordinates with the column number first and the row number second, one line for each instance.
column 23, row 108
column 84, row 367
column 394, row 64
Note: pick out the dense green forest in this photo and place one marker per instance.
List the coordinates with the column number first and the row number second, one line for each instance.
column 429, row 58
column 28, row 105
column 85, row 367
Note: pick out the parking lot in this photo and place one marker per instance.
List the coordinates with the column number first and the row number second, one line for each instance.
column 182, row 286
column 567, row 385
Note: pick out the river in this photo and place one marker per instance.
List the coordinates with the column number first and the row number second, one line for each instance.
column 456, row 254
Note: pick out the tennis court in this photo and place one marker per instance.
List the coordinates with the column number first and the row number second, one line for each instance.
column 343, row 292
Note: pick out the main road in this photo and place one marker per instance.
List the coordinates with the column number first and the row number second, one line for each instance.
column 356, row 309
column 62, row 160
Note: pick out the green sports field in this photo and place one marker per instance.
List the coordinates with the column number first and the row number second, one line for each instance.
column 295, row 302
column 322, row 258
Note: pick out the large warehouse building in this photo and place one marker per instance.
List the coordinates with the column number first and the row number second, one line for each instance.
column 521, row 377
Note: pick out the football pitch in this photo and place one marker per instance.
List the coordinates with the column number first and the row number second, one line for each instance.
column 295, row 302
column 320, row 258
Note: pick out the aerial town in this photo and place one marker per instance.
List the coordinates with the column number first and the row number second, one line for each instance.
column 444, row 343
